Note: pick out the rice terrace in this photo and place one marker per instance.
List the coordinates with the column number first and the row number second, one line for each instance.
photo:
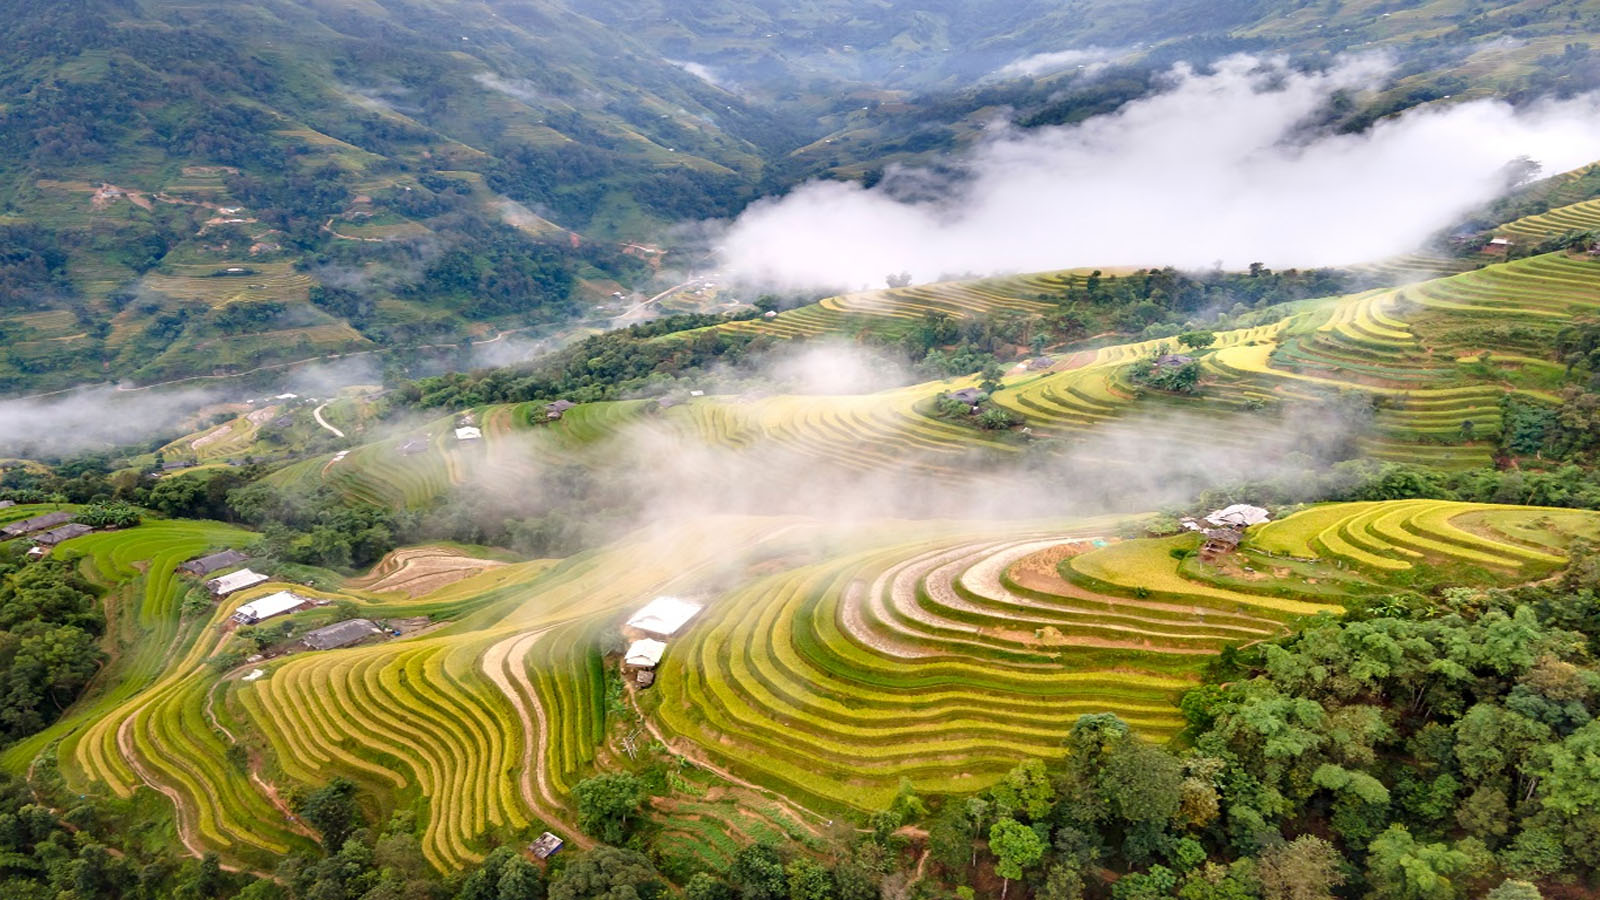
column 623, row 450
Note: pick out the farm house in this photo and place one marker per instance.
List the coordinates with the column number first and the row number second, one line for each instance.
column 969, row 396
column 215, row 562
column 235, row 581
column 340, row 634
column 65, row 533
column 663, row 616
column 264, row 608
column 555, row 410
column 468, row 433
column 1239, row 515
column 37, row 523
column 1219, row 543
column 642, row 658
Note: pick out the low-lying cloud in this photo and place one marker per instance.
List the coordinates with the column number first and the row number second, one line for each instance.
column 1222, row 166
column 1057, row 61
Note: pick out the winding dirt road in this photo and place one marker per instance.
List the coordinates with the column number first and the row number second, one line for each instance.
column 317, row 414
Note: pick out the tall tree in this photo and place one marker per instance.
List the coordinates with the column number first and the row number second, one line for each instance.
column 1016, row 847
column 607, row 802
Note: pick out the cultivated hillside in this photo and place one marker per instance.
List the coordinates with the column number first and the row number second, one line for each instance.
column 832, row 665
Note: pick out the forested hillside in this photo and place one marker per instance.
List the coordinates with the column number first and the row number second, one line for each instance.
column 189, row 189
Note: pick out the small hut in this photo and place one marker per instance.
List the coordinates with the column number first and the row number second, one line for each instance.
column 546, row 846
column 641, row 660
column 1219, row 543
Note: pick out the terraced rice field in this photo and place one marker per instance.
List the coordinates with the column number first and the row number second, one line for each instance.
column 230, row 438
column 266, row 281
column 1416, row 353
column 940, row 661
column 1581, row 216
column 831, row 662
column 890, row 311
column 1505, row 542
column 419, row 571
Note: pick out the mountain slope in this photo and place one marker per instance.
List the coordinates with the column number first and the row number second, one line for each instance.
column 188, row 189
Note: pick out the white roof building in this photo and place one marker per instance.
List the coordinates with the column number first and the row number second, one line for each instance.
column 468, row 433
column 644, row 653
column 235, row 581
column 263, row 608
column 1239, row 515
column 663, row 616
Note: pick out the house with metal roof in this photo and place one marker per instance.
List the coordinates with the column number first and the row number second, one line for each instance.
column 546, row 846
column 340, row 634
column 65, row 533
column 215, row 562
column 37, row 523
column 663, row 616
column 644, row 654
column 264, row 608
column 235, row 581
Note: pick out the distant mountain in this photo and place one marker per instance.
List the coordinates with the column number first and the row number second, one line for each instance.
column 194, row 189
column 189, row 188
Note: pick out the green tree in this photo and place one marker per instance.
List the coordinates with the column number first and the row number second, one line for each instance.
column 757, row 873
column 1062, row 882
column 1016, row 847
column 705, row 886
column 608, row 873
column 606, row 803
column 1570, row 772
column 1514, row 890
column 1027, row 790
column 503, row 875
column 332, row 810
column 1197, row 340
column 989, row 378
column 1401, row 868
column 808, row 880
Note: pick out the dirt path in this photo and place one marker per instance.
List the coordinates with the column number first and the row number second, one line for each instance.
column 317, row 414
column 267, row 789
column 635, row 312
column 797, row 812
column 185, row 828
column 328, row 227
column 504, row 664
